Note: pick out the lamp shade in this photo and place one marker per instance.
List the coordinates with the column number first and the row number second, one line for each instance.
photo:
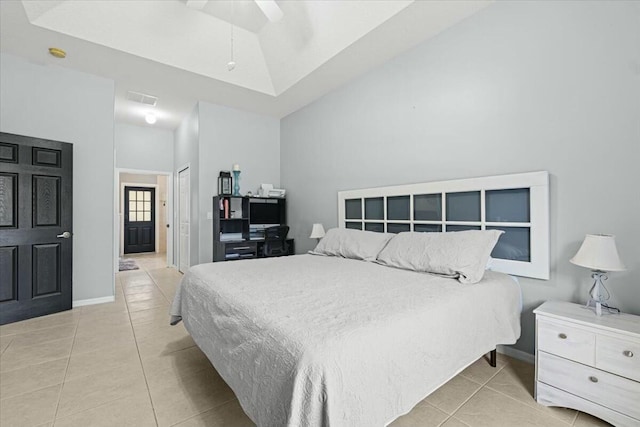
column 599, row 252
column 317, row 232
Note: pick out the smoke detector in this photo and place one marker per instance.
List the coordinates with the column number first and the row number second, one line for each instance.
column 57, row 52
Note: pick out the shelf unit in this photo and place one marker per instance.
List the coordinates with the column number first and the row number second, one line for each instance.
column 232, row 239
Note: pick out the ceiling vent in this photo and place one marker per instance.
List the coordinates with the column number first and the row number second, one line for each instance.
column 142, row 98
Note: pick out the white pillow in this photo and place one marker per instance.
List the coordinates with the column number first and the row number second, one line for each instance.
column 462, row 254
column 348, row 243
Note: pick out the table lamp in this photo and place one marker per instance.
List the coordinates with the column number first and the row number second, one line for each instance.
column 598, row 253
column 317, row 232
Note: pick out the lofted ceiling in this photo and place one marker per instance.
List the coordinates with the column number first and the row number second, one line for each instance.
column 178, row 50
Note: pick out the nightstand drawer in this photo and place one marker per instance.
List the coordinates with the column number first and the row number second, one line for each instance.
column 611, row 391
column 566, row 341
column 619, row 356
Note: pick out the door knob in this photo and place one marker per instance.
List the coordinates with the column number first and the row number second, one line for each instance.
column 64, row 235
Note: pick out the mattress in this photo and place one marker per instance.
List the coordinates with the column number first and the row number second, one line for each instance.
column 310, row 340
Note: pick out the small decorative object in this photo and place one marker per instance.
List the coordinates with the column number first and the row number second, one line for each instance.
column 236, row 179
column 317, row 232
column 599, row 253
column 224, row 183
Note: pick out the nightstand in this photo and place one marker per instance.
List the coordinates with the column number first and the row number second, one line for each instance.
column 588, row 363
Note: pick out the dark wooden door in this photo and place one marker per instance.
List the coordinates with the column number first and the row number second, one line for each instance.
column 139, row 220
column 35, row 227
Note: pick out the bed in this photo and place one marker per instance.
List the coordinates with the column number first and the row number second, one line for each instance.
column 311, row 340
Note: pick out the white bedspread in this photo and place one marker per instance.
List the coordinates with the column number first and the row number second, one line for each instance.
column 324, row 341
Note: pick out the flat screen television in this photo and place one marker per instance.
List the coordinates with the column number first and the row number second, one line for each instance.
column 263, row 214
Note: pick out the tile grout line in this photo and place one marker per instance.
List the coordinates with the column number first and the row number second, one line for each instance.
column 206, row 410
column 66, row 370
column 8, row 345
column 475, row 392
column 135, row 339
column 35, row 389
column 529, row 406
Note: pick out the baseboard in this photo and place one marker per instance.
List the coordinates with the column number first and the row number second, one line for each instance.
column 516, row 354
column 92, row 301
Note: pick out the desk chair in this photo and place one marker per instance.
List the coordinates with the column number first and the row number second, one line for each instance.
column 275, row 241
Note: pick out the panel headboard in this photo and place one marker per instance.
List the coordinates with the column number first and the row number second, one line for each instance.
column 518, row 204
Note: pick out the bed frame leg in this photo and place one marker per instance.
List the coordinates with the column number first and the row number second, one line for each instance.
column 492, row 358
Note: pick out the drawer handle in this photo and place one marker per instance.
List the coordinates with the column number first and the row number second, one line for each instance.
column 562, row 336
column 593, row 379
column 238, row 248
column 628, row 353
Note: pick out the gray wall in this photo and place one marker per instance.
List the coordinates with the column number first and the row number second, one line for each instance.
column 521, row 86
column 186, row 152
column 143, row 148
column 229, row 136
column 70, row 106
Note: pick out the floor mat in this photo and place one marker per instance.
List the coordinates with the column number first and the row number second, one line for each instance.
column 128, row 264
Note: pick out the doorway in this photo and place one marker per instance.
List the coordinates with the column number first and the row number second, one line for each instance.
column 144, row 226
column 139, row 219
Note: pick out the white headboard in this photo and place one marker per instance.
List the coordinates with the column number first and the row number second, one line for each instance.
column 517, row 204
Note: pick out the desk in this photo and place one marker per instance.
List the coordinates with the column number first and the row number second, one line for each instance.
column 242, row 249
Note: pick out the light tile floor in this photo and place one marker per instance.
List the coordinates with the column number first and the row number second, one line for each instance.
column 121, row 364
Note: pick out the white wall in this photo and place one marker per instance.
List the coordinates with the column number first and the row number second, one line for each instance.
column 520, row 86
column 186, row 152
column 143, row 148
column 70, row 106
column 229, row 136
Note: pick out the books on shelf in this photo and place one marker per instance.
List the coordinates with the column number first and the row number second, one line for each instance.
column 230, row 237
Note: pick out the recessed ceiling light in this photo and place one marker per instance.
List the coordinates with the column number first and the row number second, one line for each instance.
column 58, row 53
column 150, row 118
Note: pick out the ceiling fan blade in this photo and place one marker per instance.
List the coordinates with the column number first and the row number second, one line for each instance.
column 197, row 4
column 271, row 9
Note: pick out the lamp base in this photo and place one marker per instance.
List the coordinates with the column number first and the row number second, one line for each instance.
column 597, row 300
column 595, row 305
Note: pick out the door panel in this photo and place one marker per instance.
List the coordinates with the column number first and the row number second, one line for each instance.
column 8, row 152
column 9, row 268
column 139, row 220
column 46, row 269
column 8, row 200
column 35, row 208
column 47, row 157
column 46, row 202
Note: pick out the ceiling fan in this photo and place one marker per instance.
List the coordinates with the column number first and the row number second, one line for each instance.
column 269, row 7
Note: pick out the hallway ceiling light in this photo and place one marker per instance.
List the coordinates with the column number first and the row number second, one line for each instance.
column 150, row 118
